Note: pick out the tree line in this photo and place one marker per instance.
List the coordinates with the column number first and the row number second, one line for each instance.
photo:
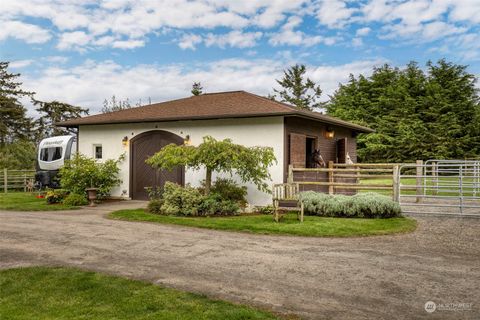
column 416, row 113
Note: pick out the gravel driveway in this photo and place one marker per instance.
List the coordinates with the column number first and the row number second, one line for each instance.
column 314, row 278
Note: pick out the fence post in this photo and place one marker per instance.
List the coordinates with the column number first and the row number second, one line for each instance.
column 5, row 180
column 330, row 177
column 396, row 183
column 290, row 174
column 419, row 179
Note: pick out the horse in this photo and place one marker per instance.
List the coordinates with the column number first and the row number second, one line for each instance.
column 348, row 160
column 316, row 160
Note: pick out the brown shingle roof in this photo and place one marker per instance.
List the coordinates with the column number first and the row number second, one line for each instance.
column 233, row 104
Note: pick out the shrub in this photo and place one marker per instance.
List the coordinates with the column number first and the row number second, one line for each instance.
column 154, row 192
column 215, row 204
column 155, row 206
column 75, row 199
column 55, row 196
column 82, row 172
column 229, row 190
column 265, row 209
column 180, row 200
column 362, row 205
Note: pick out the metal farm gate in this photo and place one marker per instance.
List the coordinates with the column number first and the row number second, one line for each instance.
column 439, row 186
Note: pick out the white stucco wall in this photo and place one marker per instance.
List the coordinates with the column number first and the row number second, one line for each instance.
column 266, row 131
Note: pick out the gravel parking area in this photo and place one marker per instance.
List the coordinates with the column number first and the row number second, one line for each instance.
column 314, row 278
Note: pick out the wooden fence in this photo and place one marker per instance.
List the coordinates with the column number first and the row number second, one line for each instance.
column 15, row 179
column 342, row 178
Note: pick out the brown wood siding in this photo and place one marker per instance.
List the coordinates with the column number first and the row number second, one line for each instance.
column 328, row 147
column 297, row 149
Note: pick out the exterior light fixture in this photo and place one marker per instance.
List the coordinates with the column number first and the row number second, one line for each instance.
column 125, row 141
column 329, row 133
column 187, row 140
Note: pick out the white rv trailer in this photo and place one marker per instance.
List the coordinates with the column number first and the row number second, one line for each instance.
column 52, row 153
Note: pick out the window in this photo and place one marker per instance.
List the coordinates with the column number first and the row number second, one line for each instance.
column 50, row 154
column 97, row 151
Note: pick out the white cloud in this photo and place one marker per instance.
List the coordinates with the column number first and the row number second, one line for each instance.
column 426, row 32
column 334, row 13
column 363, row 31
column 90, row 83
column 73, row 40
column 330, row 76
column 235, row 38
column 288, row 36
column 20, row 63
column 466, row 10
column 189, row 41
column 23, row 31
column 438, row 29
column 56, row 59
column 134, row 20
column 128, row 44
column 357, row 42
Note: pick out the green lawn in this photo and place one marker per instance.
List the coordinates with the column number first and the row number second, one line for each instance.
column 448, row 186
column 264, row 224
column 24, row 201
column 64, row 293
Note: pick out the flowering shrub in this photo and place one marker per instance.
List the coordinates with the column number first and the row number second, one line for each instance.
column 225, row 198
column 55, row 196
column 362, row 205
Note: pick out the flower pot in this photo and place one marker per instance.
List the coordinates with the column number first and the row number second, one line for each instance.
column 92, row 195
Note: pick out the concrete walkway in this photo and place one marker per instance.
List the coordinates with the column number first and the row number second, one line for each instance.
column 314, row 278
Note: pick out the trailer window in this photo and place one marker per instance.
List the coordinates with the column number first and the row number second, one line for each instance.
column 51, row 154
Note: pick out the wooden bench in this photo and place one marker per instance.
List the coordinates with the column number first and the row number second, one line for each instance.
column 286, row 192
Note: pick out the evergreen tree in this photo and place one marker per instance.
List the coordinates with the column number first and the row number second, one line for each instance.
column 116, row 105
column 197, row 89
column 297, row 91
column 416, row 115
column 53, row 112
column 14, row 123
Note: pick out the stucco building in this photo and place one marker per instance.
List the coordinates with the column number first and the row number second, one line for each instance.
column 246, row 118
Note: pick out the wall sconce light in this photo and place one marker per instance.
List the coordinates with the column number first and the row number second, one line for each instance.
column 125, row 141
column 329, row 133
column 187, row 140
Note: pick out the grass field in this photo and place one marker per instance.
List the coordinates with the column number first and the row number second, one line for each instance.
column 264, row 224
column 448, row 186
column 64, row 293
column 24, row 201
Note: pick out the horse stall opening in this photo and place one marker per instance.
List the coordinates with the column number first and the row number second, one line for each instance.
column 310, row 144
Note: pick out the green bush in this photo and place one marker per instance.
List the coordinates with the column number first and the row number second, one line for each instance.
column 215, row 204
column 155, row 206
column 190, row 201
column 75, row 199
column 265, row 209
column 82, row 172
column 362, row 205
column 55, row 196
column 229, row 190
column 180, row 200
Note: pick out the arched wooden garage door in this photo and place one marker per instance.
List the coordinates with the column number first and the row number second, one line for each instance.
column 142, row 175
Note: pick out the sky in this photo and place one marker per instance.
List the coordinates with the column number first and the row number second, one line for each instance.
column 82, row 52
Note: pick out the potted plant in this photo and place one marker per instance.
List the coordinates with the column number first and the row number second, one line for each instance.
column 92, row 195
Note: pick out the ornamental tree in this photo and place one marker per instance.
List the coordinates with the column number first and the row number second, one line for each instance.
column 249, row 163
